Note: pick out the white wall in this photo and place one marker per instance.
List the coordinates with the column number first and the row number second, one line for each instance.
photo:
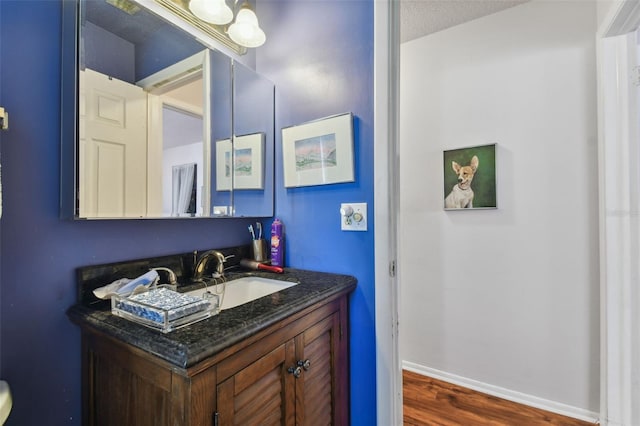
column 506, row 297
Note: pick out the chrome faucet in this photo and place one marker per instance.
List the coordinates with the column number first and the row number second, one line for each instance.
column 201, row 265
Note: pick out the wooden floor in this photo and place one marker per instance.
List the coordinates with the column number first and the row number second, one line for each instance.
column 429, row 401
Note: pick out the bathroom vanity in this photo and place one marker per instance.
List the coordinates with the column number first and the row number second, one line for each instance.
column 279, row 359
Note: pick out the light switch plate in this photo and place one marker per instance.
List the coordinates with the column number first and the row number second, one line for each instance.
column 353, row 216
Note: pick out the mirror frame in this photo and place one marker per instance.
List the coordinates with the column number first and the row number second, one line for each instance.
column 69, row 118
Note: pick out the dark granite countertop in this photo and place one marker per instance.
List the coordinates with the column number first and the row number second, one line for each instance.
column 191, row 344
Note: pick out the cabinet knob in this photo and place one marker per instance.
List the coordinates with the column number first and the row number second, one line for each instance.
column 304, row 364
column 296, row 371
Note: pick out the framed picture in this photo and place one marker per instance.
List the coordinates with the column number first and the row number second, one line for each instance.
column 248, row 162
column 470, row 178
column 318, row 152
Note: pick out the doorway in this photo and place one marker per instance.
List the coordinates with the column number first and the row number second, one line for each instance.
column 476, row 318
column 182, row 162
column 619, row 151
column 179, row 131
column 178, row 134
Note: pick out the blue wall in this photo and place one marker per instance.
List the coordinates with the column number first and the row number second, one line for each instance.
column 320, row 56
column 108, row 54
column 40, row 355
column 164, row 49
column 114, row 56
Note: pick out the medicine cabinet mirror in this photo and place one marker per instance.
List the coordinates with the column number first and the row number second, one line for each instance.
column 157, row 124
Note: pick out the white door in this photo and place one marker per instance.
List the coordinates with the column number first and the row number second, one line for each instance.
column 113, row 147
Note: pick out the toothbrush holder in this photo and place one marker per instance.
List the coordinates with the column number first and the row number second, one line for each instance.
column 259, row 250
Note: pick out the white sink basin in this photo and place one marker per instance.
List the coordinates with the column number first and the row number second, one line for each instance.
column 246, row 289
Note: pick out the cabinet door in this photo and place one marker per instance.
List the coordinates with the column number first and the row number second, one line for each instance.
column 318, row 352
column 261, row 394
column 120, row 387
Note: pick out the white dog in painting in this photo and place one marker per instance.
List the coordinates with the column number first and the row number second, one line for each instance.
column 461, row 196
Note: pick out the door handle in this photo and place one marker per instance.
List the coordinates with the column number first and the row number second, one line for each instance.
column 304, row 364
column 296, row 371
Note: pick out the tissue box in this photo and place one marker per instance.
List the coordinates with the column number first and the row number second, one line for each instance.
column 162, row 308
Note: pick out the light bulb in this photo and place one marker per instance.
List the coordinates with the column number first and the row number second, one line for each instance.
column 213, row 11
column 245, row 30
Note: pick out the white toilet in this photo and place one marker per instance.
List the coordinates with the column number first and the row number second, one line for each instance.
column 5, row 401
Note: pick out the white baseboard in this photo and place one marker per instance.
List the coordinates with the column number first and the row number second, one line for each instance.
column 510, row 395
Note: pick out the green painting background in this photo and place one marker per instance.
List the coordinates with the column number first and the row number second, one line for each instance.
column 484, row 181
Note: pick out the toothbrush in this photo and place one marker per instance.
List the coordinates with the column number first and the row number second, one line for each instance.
column 253, row 234
column 259, row 226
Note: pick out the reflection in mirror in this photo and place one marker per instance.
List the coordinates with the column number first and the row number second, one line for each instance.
column 181, row 162
column 151, row 104
column 248, row 167
column 177, row 133
column 141, row 100
column 253, row 107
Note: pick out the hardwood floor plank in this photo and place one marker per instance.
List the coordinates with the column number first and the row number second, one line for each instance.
column 432, row 402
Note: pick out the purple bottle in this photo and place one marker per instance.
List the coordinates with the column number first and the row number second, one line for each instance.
column 277, row 243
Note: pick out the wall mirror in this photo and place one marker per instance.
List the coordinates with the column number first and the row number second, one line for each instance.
column 157, row 124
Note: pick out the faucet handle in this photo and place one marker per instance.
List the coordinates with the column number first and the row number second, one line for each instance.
column 220, row 268
column 173, row 280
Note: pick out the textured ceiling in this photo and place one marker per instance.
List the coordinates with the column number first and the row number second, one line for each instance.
column 421, row 17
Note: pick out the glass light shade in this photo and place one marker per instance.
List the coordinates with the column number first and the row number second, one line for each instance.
column 245, row 30
column 213, row 11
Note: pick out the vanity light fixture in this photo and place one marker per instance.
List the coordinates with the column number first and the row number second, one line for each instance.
column 245, row 31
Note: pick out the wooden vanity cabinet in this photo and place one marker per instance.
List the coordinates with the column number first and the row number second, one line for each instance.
column 294, row 372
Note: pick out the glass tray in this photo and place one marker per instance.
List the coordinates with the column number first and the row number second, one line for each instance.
column 163, row 309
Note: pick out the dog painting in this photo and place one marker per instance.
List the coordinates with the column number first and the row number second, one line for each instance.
column 470, row 178
column 461, row 196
